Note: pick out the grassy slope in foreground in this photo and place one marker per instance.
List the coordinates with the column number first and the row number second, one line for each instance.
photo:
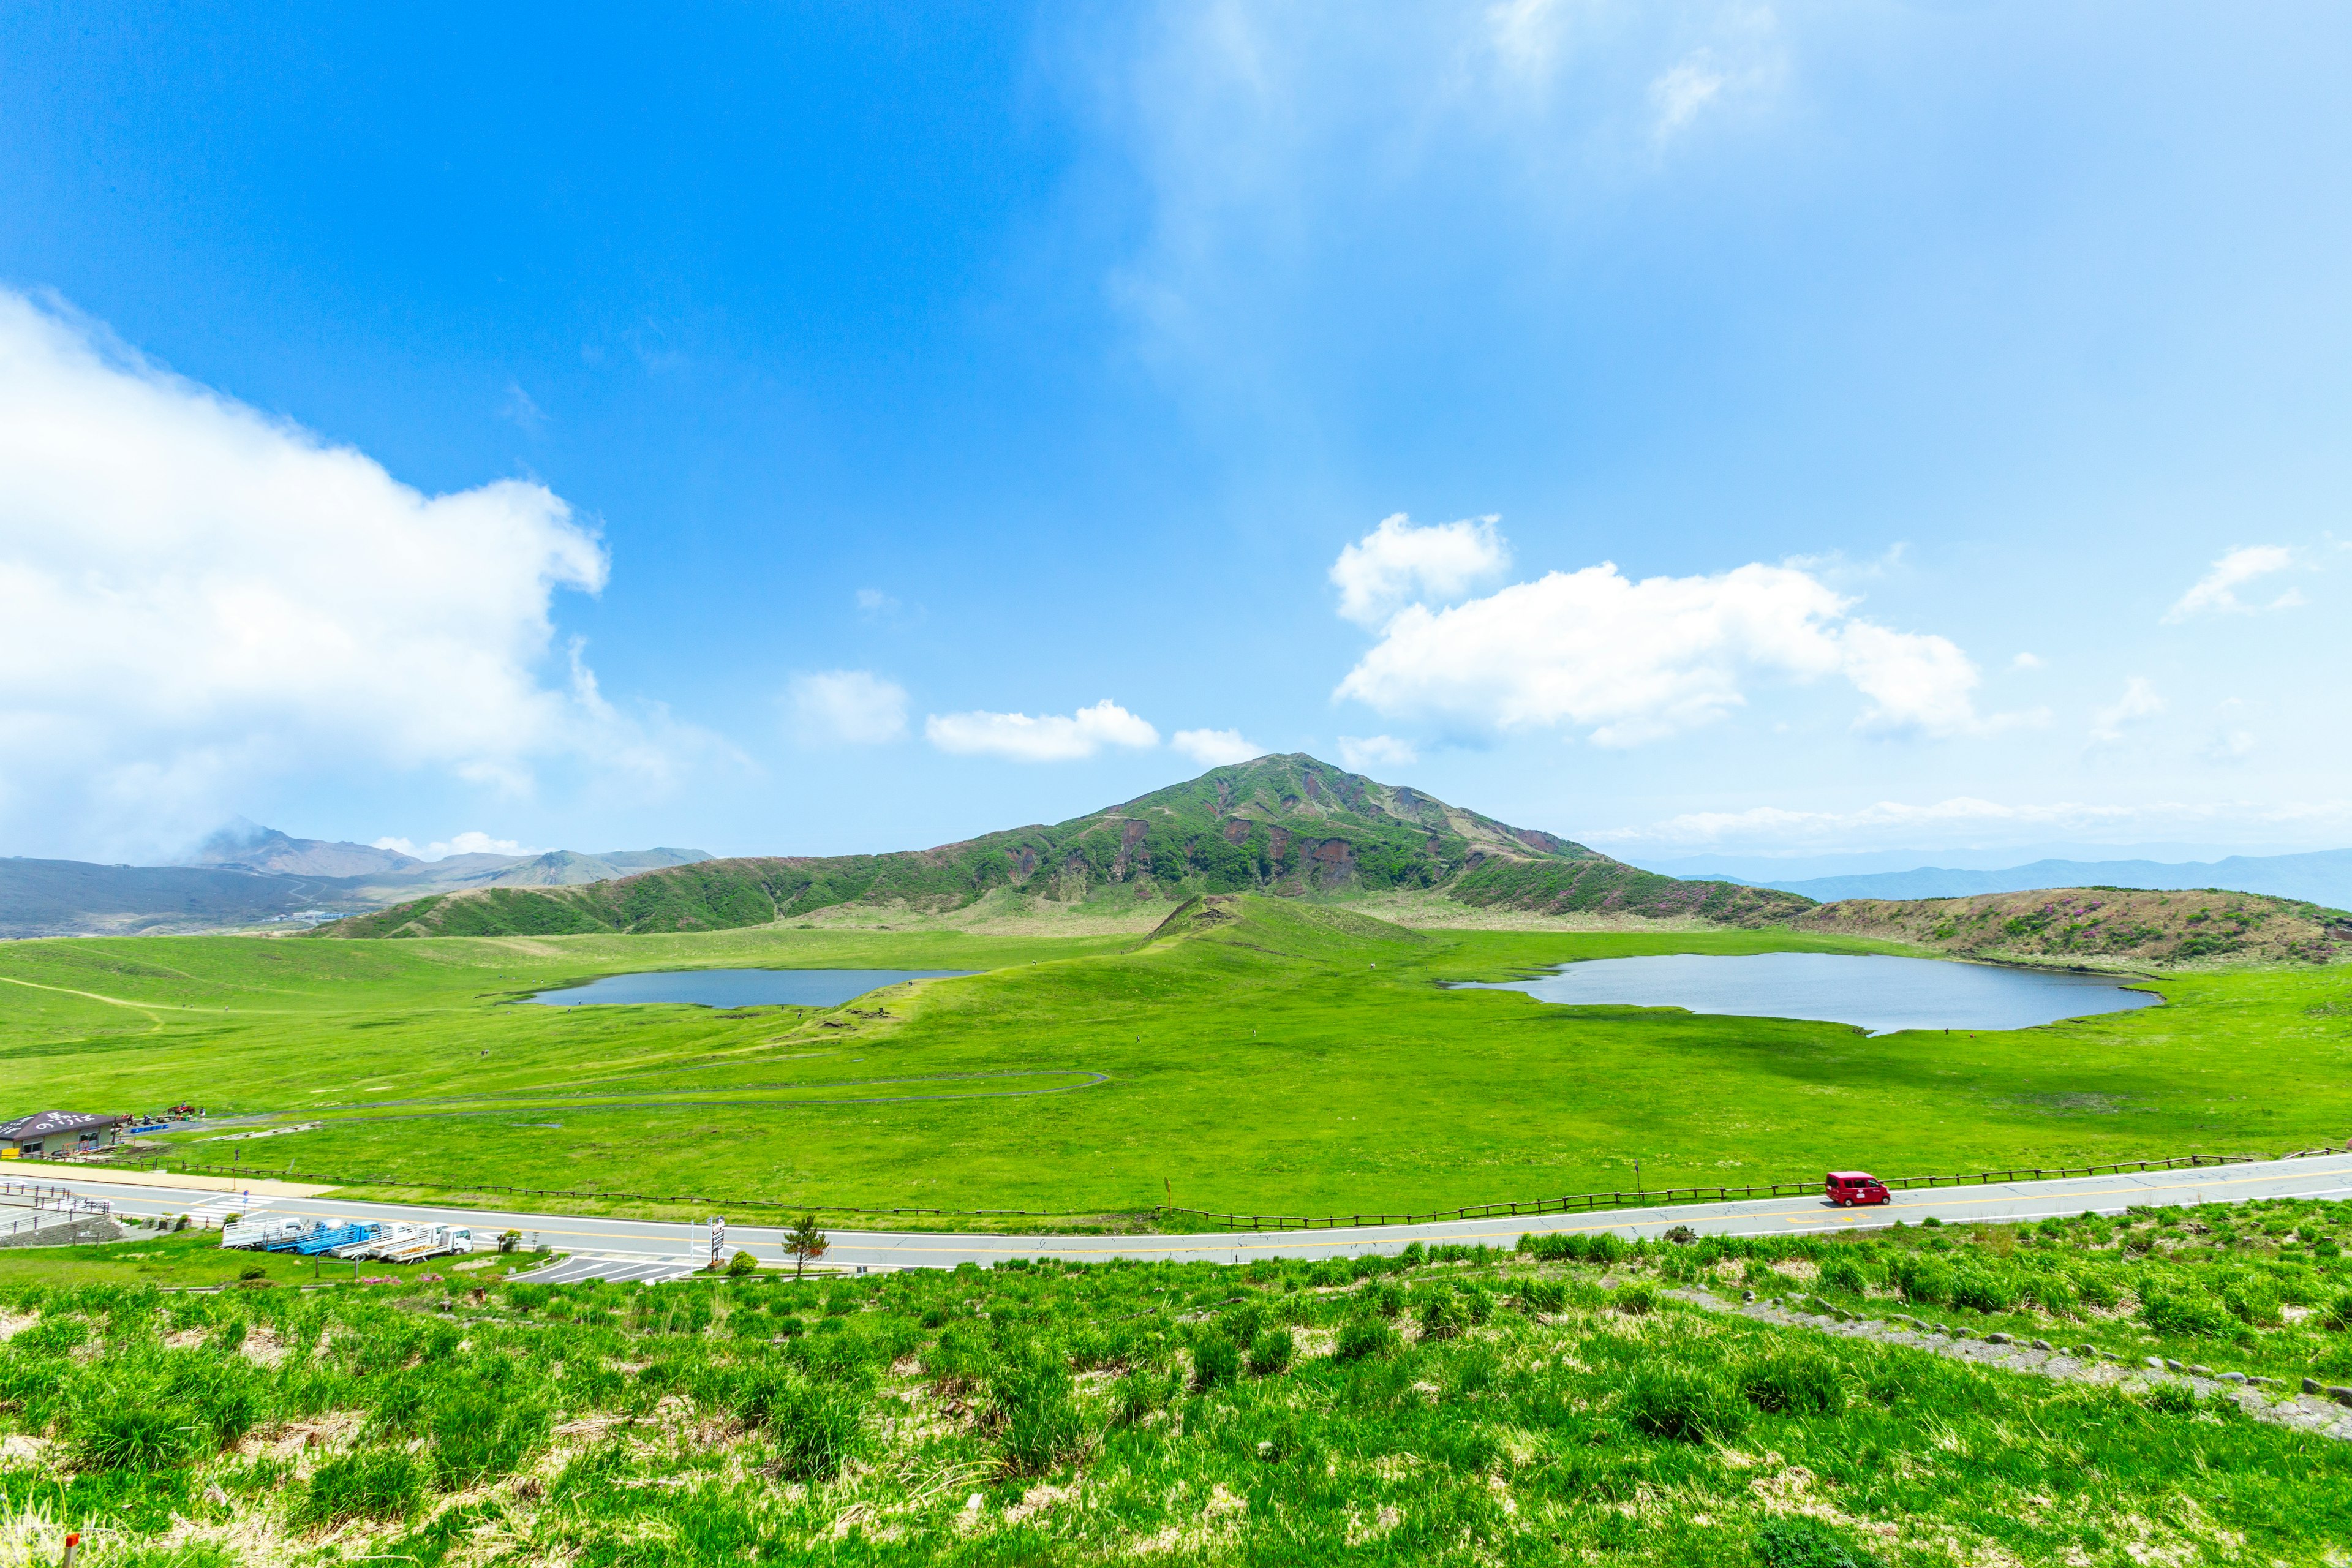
column 1286, row 825
column 1265, row 1065
column 1478, row 1411
column 2110, row 928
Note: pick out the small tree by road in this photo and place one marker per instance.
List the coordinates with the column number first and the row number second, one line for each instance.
column 805, row 1243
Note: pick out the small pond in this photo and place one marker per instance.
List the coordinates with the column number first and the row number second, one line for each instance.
column 737, row 987
column 1879, row 994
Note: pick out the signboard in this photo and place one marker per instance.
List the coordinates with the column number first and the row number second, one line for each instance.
column 717, row 1240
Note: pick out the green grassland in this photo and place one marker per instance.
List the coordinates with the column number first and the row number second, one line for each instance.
column 1264, row 1056
column 1462, row 1407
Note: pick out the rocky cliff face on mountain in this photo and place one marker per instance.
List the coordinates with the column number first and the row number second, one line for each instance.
column 1290, row 825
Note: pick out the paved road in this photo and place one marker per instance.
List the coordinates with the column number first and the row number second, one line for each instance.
column 623, row 1248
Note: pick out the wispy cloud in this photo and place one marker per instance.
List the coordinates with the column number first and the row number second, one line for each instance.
column 847, row 707
column 1048, row 738
column 1215, row 748
column 470, row 843
column 2216, row 592
column 1360, row 751
column 2138, row 702
column 1964, row 819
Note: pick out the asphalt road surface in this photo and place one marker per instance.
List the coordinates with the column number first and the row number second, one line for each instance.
column 643, row 1249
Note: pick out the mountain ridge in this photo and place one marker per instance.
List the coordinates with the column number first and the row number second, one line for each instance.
column 2320, row 877
column 1290, row 824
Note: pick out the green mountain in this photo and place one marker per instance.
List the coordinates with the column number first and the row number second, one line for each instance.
column 1289, row 826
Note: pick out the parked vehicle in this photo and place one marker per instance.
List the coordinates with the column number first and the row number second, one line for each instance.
column 330, row 1237
column 1847, row 1188
column 266, row 1235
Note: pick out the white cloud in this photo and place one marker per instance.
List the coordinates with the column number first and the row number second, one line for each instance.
column 847, row 707
column 875, row 604
column 2026, row 661
column 461, row 844
column 1682, row 91
column 2138, row 701
column 1634, row 661
column 1397, row 563
column 1049, row 738
column 1215, row 748
column 195, row 595
column 1967, row 820
column 2217, row 592
column 1360, row 751
column 2229, row 745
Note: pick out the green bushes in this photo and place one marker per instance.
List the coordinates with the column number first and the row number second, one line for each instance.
column 1271, row 1351
column 2184, row 1314
column 374, row 1483
column 1925, row 1281
column 136, row 1437
column 1543, row 1295
column 1365, row 1339
column 1802, row 1542
column 479, row 1437
column 1982, row 1290
column 1034, row 1410
column 1684, row 1403
column 1216, row 1360
column 1792, row 1382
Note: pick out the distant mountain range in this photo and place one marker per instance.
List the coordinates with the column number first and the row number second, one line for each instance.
column 2324, row 877
column 247, row 875
column 1289, row 825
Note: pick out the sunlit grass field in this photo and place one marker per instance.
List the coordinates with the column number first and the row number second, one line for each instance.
column 1463, row 1407
column 1296, row 1061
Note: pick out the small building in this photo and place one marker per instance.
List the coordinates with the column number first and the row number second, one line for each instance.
column 57, row 1132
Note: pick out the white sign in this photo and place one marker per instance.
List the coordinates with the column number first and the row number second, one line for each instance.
column 717, row 1240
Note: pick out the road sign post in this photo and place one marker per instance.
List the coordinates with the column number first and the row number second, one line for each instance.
column 717, row 1240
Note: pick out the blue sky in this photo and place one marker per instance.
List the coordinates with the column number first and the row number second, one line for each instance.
column 1808, row 430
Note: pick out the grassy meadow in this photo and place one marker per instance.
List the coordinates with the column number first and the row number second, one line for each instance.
column 1462, row 1406
column 1297, row 1059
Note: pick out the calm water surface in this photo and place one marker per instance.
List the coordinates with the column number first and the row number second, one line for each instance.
column 1880, row 994
column 737, row 987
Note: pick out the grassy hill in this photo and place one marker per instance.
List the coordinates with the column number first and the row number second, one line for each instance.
column 1260, row 1055
column 2117, row 928
column 1289, row 826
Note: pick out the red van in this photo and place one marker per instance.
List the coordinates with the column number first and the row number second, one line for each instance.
column 1847, row 1188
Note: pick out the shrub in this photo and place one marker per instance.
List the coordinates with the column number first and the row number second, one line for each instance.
column 2338, row 1317
column 1925, row 1280
column 134, row 1436
column 1802, row 1542
column 374, row 1483
column 1363, row 1338
column 253, row 1271
column 1035, row 1412
column 1444, row 1315
column 1478, row 1300
column 1271, row 1351
column 1385, row 1298
column 1982, row 1292
column 1792, row 1382
column 1137, row 1396
column 742, row 1263
column 477, row 1437
column 2183, row 1314
column 1636, row 1300
column 2173, row 1399
column 2251, row 1299
column 1843, row 1274
column 1216, row 1360
column 1542, row 1295
column 1675, row 1402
